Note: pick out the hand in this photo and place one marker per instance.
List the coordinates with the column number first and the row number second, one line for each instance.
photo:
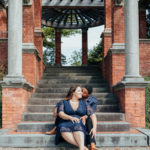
column 93, row 132
column 83, row 118
column 74, row 119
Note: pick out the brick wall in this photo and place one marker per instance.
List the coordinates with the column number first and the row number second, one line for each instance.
column 115, row 68
column 3, row 39
column 142, row 23
column 118, row 33
column 144, row 57
column 28, row 24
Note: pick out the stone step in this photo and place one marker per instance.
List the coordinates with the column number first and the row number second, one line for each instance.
column 62, row 95
column 65, row 90
column 67, row 85
column 71, row 70
column 61, row 74
column 53, row 101
column 78, row 81
column 50, row 108
column 66, row 77
column 49, row 117
column 47, row 126
column 64, row 69
column 47, row 141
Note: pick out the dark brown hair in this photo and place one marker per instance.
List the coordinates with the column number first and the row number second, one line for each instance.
column 71, row 91
column 85, row 93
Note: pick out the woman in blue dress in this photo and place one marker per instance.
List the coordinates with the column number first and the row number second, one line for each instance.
column 70, row 126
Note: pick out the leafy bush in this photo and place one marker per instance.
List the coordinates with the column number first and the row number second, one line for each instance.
column 147, row 103
column 95, row 55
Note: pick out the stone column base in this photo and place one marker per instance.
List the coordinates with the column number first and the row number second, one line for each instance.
column 132, row 100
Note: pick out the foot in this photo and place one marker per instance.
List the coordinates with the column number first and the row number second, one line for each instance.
column 53, row 131
column 93, row 146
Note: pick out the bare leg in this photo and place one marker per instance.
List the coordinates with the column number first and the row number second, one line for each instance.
column 79, row 138
column 68, row 136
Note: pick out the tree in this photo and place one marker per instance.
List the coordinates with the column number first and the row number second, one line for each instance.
column 49, row 44
column 95, row 55
column 76, row 58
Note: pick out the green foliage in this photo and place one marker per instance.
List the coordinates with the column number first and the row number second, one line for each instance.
column 95, row 55
column 49, row 44
column 147, row 103
column 76, row 58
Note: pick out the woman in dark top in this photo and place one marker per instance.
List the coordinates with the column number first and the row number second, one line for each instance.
column 70, row 126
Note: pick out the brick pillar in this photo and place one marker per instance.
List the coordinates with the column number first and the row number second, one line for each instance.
column 115, row 56
column 142, row 23
column 84, row 47
column 107, row 34
column 58, row 47
column 31, row 54
column 131, row 90
column 3, row 40
column 38, row 35
column 15, row 89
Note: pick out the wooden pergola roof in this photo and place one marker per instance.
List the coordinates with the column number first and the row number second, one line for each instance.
column 72, row 14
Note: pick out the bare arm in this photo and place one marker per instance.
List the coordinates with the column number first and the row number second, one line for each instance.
column 68, row 117
column 94, row 122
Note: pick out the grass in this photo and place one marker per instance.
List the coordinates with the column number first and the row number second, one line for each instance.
column 147, row 103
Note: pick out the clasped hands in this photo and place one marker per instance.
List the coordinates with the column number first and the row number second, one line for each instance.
column 83, row 118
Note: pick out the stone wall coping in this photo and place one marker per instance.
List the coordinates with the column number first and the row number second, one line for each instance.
column 115, row 51
column 17, row 84
column 4, row 40
column 134, row 84
column 144, row 40
column 38, row 32
column 106, row 32
column 29, row 48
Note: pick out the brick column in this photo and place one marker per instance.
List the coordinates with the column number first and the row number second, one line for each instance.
column 3, row 40
column 107, row 34
column 15, row 89
column 84, row 47
column 142, row 23
column 58, row 47
column 131, row 90
column 115, row 68
column 31, row 54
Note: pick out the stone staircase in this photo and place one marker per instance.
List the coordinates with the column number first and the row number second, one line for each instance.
column 112, row 129
column 54, row 86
